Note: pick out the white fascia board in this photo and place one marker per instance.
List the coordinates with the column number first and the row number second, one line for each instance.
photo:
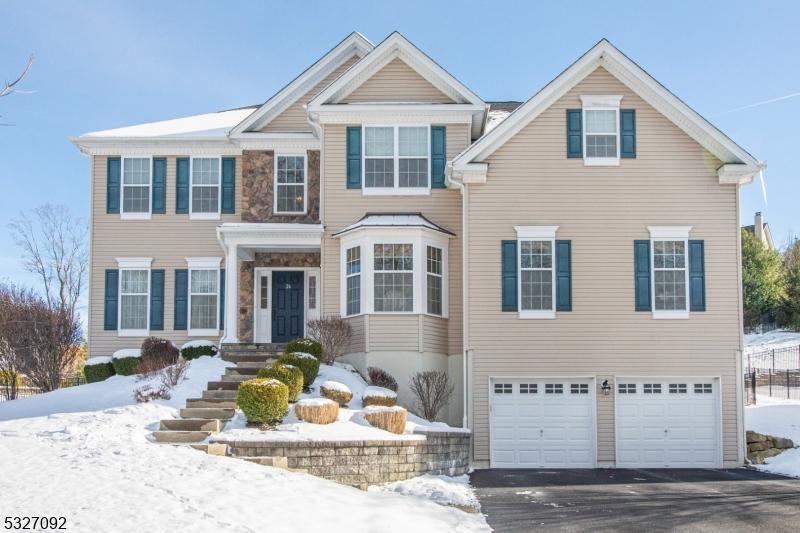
column 283, row 142
column 269, row 235
column 158, row 146
column 739, row 174
column 467, row 172
column 396, row 113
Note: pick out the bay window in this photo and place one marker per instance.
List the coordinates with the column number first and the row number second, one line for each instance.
column 290, row 184
column 205, row 187
column 136, row 184
column 396, row 159
column 393, row 278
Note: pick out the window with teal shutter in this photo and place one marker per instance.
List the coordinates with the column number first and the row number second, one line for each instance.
column 112, row 186
column 181, row 299
column 438, row 156
column 697, row 276
column 157, row 299
column 354, row 157
column 641, row 260
column 563, row 275
column 574, row 133
column 627, row 128
column 182, row 185
column 159, row 206
column 509, row 267
column 111, row 303
column 228, row 185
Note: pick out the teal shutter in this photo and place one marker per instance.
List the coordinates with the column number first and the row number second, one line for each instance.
column 228, row 185
column 111, row 300
column 697, row 276
column 574, row 133
column 112, row 185
column 563, row 276
column 221, row 299
column 157, row 299
column 181, row 298
column 508, row 253
column 182, row 185
column 627, row 129
column 438, row 157
column 159, row 206
column 641, row 259
column 354, row 157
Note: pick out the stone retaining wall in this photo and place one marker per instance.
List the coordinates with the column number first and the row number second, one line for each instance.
column 760, row 447
column 368, row 462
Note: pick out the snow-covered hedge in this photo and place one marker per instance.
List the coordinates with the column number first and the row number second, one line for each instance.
column 338, row 392
column 307, row 363
column 263, row 401
column 290, row 375
column 378, row 396
column 126, row 361
column 198, row 348
column 98, row 369
column 307, row 345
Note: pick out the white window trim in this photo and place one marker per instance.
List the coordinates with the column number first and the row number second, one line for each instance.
column 275, row 185
column 205, row 216
column 440, row 276
column 346, row 277
column 594, row 102
column 396, row 190
column 310, row 314
column 415, row 250
column 536, row 233
column 133, row 263
column 135, row 216
column 202, row 263
column 669, row 233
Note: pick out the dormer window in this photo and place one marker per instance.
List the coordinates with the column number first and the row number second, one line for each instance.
column 601, row 143
column 396, row 160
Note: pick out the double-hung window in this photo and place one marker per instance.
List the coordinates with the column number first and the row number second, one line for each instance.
column 136, row 184
column 353, row 280
column 536, row 286
column 393, row 278
column 290, row 184
column 205, row 187
column 396, row 159
column 434, row 280
column 134, row 298
column 203, row 299
column 601, row 144
column 670, row 283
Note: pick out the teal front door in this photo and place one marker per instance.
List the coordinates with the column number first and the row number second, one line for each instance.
column 287, row 306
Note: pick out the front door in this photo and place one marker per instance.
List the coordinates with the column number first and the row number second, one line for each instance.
column 287, row 306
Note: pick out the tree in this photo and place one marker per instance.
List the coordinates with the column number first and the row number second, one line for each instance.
column 789, row 313
column 12, row 336
column 333, row 333
column 433, row 390
column 763, row 281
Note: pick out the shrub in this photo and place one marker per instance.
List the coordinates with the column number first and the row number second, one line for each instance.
column 333, row 333
column 157, row 353
column 126, row 362
column 148, row 393
column 289, row 375
column 307, row 363
column 378, row 396
column 194, row 349
column 433, row 390
column 338, row 392
column 6, row 379
column 307, row 345
column 263, row 401
column 173, row 374
column 317, row 410
column 381, row 378
column 386, row 418
column 98, row 369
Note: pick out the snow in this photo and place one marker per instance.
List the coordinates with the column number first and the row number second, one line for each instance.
column 127, row 352
column 494, row 118
column 379, row 392
column 779, row 418
column 205, row 125
column 444, row 490
column 315, row 402
column 98, row 360
column 771, row 341
column 335, row 386
column 302, row 355
column 382, row 409
column 197, row 344
column 129, row 484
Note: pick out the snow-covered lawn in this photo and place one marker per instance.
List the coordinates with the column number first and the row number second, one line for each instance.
column 779, row 418
column 771, row 341
column 455, row 491
column 84, row 453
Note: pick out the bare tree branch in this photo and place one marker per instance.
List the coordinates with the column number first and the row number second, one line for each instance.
column 11, row 86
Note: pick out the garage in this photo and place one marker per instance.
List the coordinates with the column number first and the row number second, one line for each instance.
column 542, row 423
column 668, row 423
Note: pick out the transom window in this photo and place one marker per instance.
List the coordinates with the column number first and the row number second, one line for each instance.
column 134, row 295
column 669, row 275
column 677, row 388
column 626, row 388
column 205, row 189
column 554, row 388
column 393, row 278
column 579, row 388
column 136, row 183
column 503, row 388
column 290, row 184
column 536, row 275
column 601, row 133
column 203, row 296
column 396, row 159
column 353, row 277
column 434, row 280
column 528, row 388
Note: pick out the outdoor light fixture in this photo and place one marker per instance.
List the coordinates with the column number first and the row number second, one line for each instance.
column 605, row 387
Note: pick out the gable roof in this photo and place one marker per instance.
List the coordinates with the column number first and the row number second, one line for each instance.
column 738, row 165
column 353, row 44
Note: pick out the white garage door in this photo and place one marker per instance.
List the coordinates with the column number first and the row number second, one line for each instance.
column 668, row 422
column 542, row 423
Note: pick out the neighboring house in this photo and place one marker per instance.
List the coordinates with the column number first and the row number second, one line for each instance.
column 581, row 257
column 761, row 230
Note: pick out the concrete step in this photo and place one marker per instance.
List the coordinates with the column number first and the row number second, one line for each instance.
column 223, row 385
column 251, row 358
column 212, row 448
column 180, row 437
column 254, row 365
column 219, row 395
column 212, row 402
column 191, row 424
column 208, row 412
column 238, row 378
column 244, row 371
column 277, row 462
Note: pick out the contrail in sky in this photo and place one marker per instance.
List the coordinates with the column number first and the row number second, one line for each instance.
column 765, row 102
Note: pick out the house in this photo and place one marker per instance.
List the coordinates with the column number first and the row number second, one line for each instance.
column 761, row 231
column 571, row 262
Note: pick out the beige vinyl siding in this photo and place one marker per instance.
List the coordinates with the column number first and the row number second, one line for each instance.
column 294, row 118
column 358, row 341
column 169, row 239
column 394, row 333
column 344, row 206
column 602, row 210
column 434, row 334
column 397, row 82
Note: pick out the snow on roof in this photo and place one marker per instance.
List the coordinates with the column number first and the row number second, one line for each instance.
column 498, row 111
column 393, row 220
column 206, row 125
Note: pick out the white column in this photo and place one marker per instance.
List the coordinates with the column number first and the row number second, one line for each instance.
column 231, row 294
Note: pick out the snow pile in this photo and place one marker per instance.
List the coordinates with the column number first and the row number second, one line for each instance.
column 315, row 402
column 127, row 352
column 379, row 392
column 335, row 385
column 98, row 360
column 494, row 118
column 302, row 355
column 779, row 418
column 771, row 341
column 382, row 409
column 197, row 344
column 444, row 490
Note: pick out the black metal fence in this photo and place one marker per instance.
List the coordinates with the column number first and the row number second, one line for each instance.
column 26, row 391
column 774, row 373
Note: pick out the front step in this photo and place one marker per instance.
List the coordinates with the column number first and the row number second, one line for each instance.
column 238, row 378
column 212, row 448
column 245, row 366
column 223, row 385
column 219, row 394
column 213, row 402
column 251, row 358
column 277, row 462
column 180, row 437
column 208, row 413
column 249, row 371
column 191, row 424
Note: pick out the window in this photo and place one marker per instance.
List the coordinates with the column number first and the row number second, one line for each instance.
column 312, row 292
column 677, row 388
column 652, row 388
column 290, row 184
column 263, row 293
column 579, row 388
column 626, row 388
column 528, row 388
column 502, row 388
column 353, row 276
column 134, row 298
column 203, row 298
column 205, row 189
column 601, row 133
column 703, row 388
column 536, row 275
column 434, row 277
column 393, row 278
column 396, row 159
column 669, row 275
column 553, row 388
column 136, row 181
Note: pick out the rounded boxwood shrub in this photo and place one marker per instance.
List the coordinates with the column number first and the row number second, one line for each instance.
column 194, row 349
column 263, row 401
column 126, row 362
column 98, row 369
column 305, row 345
column 338, row 392
column 289, row 375
column 307, row 363
column 378, row 396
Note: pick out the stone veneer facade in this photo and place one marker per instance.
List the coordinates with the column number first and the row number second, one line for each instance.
column 258, row 183
column 246, row 287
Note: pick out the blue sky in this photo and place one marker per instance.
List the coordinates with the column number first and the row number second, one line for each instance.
column 105, row 64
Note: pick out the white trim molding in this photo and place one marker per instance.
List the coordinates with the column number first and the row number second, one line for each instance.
column 537, row 233
column 669, row 233
column 677, row 233
column 600, row 100
column 203, row 262
column 275, row 183
column 134, row 262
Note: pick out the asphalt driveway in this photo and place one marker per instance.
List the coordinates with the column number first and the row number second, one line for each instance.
column 638, row 500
